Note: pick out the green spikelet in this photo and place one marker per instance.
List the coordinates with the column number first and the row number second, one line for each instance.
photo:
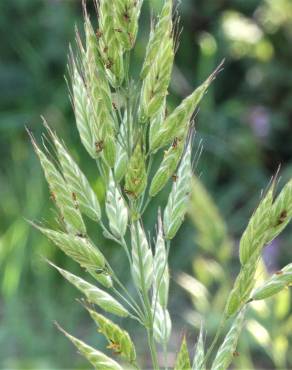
column 183, row 357
column 79, row 249
column 142, row 259
column 94, row 71
column 161, row 324
column 122, row 158
column 279, row 281
column 178, row 121
column 160, row 268
column 243, row 286
column 136, row 176
column 255, row 235
column 103, row 278
column 110, row 48
column 199, row 355
column 156, row 122
column 281, row 212
column 116, row 209
column 94, row 294
column 126, row 21
column 83, row 110
column 102, row 124
column 95, row 357
column 156, row 81
column 119, row 340
column 211, row 230
column 61, row 194
column 225, row 353
column 178, row 198
column 167, row 167
column 162, row 31
column 77, row 182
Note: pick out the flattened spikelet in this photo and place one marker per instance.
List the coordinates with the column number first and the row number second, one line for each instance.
column 142, row 259
column 178, row 198
column 61, row 194
column 225, row 353
column 279, row 281
column 183, row 357
column 94, row 294
column 136, row 176
column 119, row 340
column 80, row 249
column 116, row 208
column 161, row 324
column 199, row 356
column 95, row 357
column 77, row 182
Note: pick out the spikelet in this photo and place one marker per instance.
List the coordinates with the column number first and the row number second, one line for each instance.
column 126, row 21
column 94, row 71
column 162, row 30
column 255, row 235
column 281, row 212
column 161, row 324
column 211, row 230
column 80, row 249
column 177, row 123
column 178, row 198
column 122, row 158
column 183, row 357
column 77, row 182
column 103, row 278
column 160, row 268
column 167, row 167
column 156, row 122
column 94, row 294
column 61, row 194
column 83, row 110
column 102, row 124
column 119, row 340
column 95, row 357
column 226, row 351
column 116, row 208
column 156, row 81
column 279, row 281
column 142, row 259
column 136, row 176
column 243, row 286
column 199, row 355
column 110, row 48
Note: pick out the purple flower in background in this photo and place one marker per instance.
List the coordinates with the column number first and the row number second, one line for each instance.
column 259, row 120
column 270, row 256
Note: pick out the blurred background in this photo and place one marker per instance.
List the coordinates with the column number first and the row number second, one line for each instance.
column 245, row 124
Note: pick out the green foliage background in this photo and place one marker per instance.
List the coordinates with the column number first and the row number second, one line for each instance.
column 245, row 123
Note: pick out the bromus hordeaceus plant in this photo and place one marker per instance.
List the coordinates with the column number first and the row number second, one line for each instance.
column 122, row 125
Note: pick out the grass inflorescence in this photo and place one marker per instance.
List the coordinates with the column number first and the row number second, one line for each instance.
column 122, row 125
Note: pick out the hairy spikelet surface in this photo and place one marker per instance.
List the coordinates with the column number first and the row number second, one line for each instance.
column 119, row 340
column 279, row 281
column 94, row 294
column 116, row 208
column 177, row 201
column 226, row 351
column 95, row 357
